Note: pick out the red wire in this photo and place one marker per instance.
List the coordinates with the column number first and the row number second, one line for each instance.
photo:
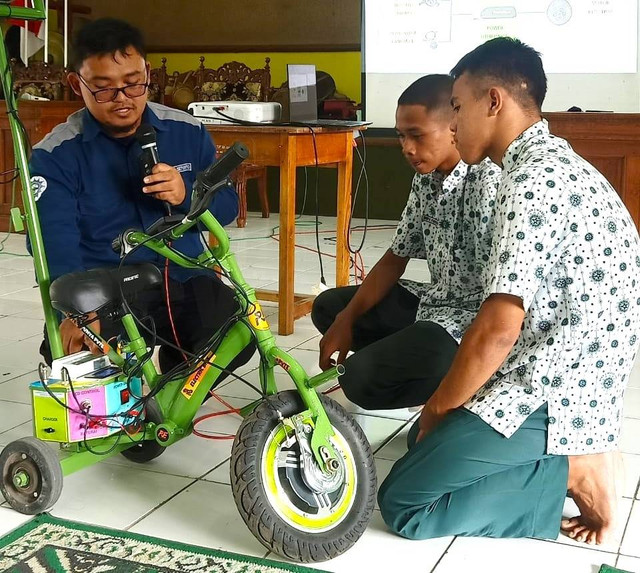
column 358, row 275
column 231, row 410
column 166, row 291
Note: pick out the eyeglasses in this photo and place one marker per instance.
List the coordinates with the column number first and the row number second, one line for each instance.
column 107, row 95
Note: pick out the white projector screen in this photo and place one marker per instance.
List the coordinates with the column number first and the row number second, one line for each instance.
column 589, row 47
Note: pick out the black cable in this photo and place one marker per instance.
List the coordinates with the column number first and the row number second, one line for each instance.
column 363, row 171
column 304, row 198
column 196, row 358
column 87, row 413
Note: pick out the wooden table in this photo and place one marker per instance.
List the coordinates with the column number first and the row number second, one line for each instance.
column 288, row 148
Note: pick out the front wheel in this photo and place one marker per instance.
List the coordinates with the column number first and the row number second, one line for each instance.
column 295, row 510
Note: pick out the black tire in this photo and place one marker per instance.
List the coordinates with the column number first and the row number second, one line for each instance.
column 147, row 450
column 253, row 447
column 40, row 467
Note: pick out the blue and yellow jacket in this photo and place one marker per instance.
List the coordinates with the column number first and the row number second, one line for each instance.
column 88, row 188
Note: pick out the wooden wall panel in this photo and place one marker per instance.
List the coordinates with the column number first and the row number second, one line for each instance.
column 194, row 25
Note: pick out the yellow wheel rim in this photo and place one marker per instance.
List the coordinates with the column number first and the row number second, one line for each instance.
column 288, row 504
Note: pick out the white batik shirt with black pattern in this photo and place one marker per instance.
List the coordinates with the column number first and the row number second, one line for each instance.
column 566, row 245
column 448, row 222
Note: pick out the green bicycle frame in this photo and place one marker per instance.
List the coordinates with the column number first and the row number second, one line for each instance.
column 19, row 149
column 179, row 399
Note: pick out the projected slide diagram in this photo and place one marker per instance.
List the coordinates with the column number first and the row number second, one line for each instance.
column 574, row 36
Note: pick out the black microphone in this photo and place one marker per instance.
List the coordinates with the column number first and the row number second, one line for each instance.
column 146, row 137
column 222, row 168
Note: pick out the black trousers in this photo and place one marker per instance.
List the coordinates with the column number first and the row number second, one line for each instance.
column 398, row 362
column 199, row 306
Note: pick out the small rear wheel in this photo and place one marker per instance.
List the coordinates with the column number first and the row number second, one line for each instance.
column 146, row 450
column 290, row 505
column 31, row 475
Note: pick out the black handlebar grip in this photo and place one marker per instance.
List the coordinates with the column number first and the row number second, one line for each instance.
column 222, row 168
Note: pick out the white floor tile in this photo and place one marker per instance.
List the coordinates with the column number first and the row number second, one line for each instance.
column 631, row 464
column 28, row 294
column 114, row 496
column 378, row 430
column 397, row 414
column 303, row 330
column 630, row 437
column 191, row 457
column 629, row 564
column 380, row 550
column 220, row 424
column 10, row 519
column 395, row 448
column 17, row 389
column 632, row 403
column 521, row 555
column 219, row 474
column 12, row 308
column 634, row 377
column 571, row 510
column 16, row 263
column 19, row 328
column 20, row 431
column 630, row 543
column 21, row 357
column 13, row 414
column 204, row 514
column 311, row 344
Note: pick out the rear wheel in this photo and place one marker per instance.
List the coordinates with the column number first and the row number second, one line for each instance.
column 31, row 475
column 292, row 506
column 147, row 450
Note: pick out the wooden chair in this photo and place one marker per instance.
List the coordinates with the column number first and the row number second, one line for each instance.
column 234, row 81
column 41, row 80
column 240, row 177
column 158, row 82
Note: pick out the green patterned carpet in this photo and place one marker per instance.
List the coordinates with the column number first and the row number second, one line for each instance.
column 50, row 545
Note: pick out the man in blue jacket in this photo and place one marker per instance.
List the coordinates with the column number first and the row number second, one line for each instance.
column 89, row 186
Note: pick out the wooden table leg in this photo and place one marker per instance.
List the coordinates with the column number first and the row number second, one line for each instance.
column 287, row 234
column 343, row 209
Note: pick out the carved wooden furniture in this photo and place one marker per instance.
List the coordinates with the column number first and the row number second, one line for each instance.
column 288, row 148
column 158, row 82
column 41, row 80
column 234, row 81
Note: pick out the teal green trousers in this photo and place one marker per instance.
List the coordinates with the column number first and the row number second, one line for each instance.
column 464, row 478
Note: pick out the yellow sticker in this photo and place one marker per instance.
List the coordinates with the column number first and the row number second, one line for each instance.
column 188, row 390
column 257, row 318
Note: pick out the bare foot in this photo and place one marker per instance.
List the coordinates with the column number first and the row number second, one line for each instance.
column 594, row 484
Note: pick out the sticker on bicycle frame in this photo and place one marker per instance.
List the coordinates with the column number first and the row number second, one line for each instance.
column 284, row 365
column 191, row 385
column 257, row 318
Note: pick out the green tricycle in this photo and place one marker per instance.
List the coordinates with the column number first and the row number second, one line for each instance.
column 302, row 471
